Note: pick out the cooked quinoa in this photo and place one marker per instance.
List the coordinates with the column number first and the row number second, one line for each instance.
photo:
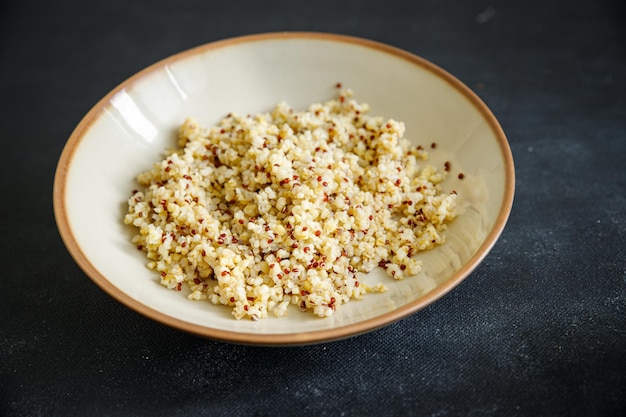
column 289, row 207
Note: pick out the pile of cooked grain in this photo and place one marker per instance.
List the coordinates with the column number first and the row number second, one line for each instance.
column 289, row 207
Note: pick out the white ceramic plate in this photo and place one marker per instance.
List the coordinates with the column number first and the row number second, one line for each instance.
column 129, row 129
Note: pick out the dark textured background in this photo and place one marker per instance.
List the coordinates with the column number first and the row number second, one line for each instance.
column 539, row 329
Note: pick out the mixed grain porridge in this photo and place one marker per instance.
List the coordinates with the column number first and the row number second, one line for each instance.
column 289, row 207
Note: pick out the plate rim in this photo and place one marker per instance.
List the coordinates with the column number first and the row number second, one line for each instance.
column 281, row 339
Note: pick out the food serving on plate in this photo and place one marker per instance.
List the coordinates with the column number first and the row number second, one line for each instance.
column 289, row 207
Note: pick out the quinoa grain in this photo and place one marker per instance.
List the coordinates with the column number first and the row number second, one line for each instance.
column 245, row 216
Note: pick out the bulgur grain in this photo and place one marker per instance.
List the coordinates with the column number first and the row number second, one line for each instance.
column 289, row 207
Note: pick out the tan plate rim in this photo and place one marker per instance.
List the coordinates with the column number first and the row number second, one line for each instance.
column 67, row 235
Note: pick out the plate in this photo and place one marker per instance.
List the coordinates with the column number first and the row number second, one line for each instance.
column 129, row 129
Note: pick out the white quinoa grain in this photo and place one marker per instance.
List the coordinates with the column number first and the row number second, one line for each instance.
column 289, row 207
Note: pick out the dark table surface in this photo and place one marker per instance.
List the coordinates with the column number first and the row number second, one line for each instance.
column 539, row 329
